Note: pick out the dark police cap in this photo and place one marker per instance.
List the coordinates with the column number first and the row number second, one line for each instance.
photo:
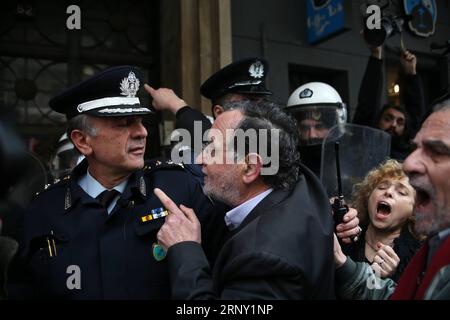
column 111, row 93
column 244, row 76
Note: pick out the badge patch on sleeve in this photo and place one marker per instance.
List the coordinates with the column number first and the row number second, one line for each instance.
column 158, row 252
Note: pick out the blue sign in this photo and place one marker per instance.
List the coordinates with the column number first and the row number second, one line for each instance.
column 423, row 16
column 325, row 18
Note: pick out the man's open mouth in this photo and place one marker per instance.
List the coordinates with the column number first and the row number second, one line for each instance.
column 423, row 197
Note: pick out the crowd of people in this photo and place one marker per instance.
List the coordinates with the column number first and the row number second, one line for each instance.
column 121, row 227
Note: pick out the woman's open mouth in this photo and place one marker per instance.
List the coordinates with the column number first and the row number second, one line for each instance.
column 383, row 210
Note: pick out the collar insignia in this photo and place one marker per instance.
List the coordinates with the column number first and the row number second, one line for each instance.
column 142, row 187
column 67, row 200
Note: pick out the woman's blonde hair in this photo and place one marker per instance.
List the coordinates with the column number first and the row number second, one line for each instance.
column 390, row 169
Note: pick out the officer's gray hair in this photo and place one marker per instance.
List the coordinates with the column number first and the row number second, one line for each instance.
column 226, row 103
column 81, row 122
column 442, row 106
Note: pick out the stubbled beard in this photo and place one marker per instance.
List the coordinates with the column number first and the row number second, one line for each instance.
column 225, row 192
column 427, row 223
column 431, row 224
column 311, row 141
column 393, row 133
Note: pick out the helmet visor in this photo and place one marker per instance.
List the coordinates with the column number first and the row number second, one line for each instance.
column 314, row 123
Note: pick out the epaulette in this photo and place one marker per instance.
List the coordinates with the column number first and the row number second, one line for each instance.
column 151, row 165
column 56, row 183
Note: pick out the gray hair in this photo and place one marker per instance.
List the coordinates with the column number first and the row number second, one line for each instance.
column 443, row 105
column 81, row 122
column 227, row 104
column 268, row 115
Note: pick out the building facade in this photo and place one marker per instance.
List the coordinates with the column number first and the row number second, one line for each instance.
column 179, row 44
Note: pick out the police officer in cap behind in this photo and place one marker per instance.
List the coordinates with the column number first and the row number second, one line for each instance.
column 92, row 235
column 240, row 80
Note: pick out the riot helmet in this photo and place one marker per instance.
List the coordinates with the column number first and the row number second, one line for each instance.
column 65, row 158
column 317, row 107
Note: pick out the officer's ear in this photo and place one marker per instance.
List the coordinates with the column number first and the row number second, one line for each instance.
column 217, row 110
column 80, row 140
column 253, row 166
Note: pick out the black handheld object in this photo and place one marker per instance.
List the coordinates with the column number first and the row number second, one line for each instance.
column 339, row 207
column 440, row 46
column 437, row 46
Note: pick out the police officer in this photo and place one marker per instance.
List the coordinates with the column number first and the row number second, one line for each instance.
column 241, row 80
column 92, row 235
column 317, row 107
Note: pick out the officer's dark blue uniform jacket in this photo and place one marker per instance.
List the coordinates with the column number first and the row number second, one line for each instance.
column 113, row 253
